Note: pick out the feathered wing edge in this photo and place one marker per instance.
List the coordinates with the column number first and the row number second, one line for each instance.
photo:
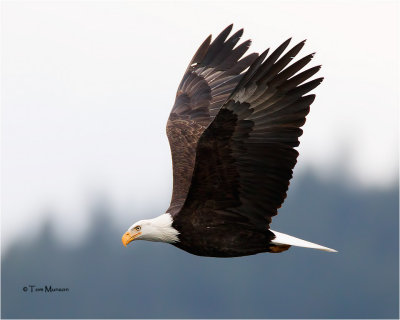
column 212, row 75
column 245, row 157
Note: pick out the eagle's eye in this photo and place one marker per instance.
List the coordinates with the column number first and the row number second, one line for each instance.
column 137, row 228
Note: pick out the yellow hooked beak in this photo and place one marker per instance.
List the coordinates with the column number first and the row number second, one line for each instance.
column 127, row 237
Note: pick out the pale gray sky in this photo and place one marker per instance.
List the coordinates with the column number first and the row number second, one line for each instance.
column 87, row 88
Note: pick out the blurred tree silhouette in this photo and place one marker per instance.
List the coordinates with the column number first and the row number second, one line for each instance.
column 155, row 280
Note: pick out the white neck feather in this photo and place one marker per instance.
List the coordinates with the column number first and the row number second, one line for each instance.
column 159, row 229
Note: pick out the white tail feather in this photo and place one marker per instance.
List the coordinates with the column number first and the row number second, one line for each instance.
column 281, row 238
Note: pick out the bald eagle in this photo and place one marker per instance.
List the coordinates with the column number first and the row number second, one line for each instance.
column 232, row 132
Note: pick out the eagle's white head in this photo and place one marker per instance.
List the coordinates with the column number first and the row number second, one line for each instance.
column 157, row 229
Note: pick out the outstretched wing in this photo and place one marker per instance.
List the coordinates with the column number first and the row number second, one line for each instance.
column 246, row 156
column 212, row 75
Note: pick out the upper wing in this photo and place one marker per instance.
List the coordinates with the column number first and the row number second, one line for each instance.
column 245, row 157
column 212, row 75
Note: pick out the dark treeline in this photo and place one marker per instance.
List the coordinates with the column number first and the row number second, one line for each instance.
column 155, row 280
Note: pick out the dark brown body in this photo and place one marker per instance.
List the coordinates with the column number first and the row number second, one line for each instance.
column 206, row 234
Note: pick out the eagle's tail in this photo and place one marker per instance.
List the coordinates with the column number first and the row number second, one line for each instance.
column 285, row 240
